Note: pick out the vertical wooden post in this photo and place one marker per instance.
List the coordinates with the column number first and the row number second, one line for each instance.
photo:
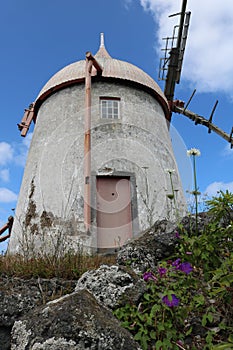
column 87, row 146
column 90, row 61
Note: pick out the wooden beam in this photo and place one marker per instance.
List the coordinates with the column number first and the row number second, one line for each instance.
column 201, row 120
column 95, row 63
column 174, row 65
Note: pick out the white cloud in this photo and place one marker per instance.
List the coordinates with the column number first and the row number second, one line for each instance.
column 6, row 153
column 7, row 196
column 11, row 154
column 213, row 188
column 207, row 64
column 4, row 175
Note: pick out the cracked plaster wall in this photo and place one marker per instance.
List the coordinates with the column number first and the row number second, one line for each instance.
column 50, row 203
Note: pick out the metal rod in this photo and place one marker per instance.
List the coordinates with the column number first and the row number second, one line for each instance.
column 230, row 138
column 190, row 99
column 211, row 115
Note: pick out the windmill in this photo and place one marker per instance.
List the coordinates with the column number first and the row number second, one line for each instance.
column 170, row 71
column 96, row 193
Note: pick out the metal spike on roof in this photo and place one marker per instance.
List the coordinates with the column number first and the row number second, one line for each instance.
column 102, row 52
column 101, row 40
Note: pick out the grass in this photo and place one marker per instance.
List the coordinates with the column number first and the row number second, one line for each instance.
column 70, row 266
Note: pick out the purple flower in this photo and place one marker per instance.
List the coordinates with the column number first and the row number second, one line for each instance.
column 177, row 235
column 185, row 267
column 171, row 302
column 149, row 276
column 189, row 253
column 176, row 263
column 162, row 271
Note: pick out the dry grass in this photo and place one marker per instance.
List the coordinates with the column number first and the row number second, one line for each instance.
column 70, row 266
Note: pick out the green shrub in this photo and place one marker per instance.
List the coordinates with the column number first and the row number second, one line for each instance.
column 196, row 283
column 221, row 207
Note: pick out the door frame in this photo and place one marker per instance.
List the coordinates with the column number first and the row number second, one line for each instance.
column 133, row 190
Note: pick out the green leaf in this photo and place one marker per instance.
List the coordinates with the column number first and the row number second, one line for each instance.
column 141, row 316
column 138, row 336
column 210, row 317
column 209, row 338
column 155, row 308
column 199, row 300
column 160, row 327
column 144, row 340
column 167, row 344
column 153, row 334
column 147, row 296
column 207, row 317
column 230, row 339
column 204, row 320
column 227, row 280
column 189, row 331
column 158, row 345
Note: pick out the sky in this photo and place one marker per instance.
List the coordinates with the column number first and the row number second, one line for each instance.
column 38, row 38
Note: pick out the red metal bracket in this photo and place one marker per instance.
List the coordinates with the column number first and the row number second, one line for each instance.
column 8, row 225
column 26, row 120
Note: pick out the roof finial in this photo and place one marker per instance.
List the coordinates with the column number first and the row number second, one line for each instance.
column 102, row 52
column 101, row 39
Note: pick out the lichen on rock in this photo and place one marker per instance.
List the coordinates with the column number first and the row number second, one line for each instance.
column 144, row 252
column 77, row 322
column 112, row 285
column 20, row 336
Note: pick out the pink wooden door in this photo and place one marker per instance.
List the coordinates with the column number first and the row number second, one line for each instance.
column 114, row 224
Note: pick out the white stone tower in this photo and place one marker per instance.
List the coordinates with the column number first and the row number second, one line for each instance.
column 96, row 172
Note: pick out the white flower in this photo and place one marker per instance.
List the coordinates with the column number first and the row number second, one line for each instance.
column 193, row 152
column 170, row 171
